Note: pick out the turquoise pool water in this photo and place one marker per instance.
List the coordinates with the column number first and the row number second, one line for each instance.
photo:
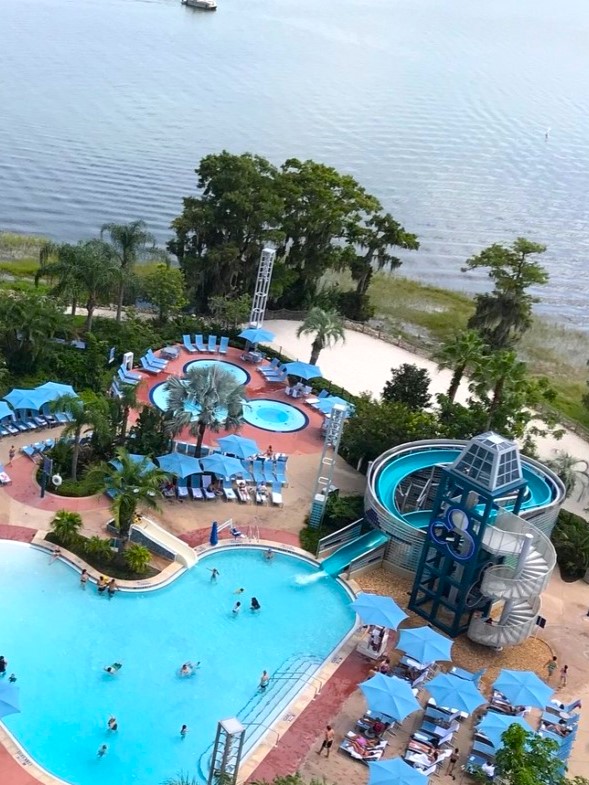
column 389, row 477
column 241, row 376
column 276, row 416
column 57, row 640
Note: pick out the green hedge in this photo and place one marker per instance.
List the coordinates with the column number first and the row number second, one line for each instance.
column 570, row 538
column 339, row 512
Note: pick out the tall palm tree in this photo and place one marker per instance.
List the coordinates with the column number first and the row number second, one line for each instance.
column 214, row 392
column 91, row 415
column 130, row 484
column 59, row 262
column 129, row 242
column 495, row 377
column 126, row 401
column 328, row 327
column 460, row 354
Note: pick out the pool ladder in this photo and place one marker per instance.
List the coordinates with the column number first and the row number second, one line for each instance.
column 253, row 533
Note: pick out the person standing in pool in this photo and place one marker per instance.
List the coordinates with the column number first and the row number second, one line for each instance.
column 3, row 665
column 214, row 573
column 183, row 731
column 112, row 723
column 255, row 606
column 102, row 584
column 12, row 678
column 236, row 608
column 269, row 554
column 112, row 588
column 83, row 578
column 264, row 680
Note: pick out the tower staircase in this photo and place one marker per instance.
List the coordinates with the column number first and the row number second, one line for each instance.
column 530, row 559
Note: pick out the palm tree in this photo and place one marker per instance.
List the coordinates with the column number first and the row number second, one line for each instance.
column 214, row 392
column 328, row 327
column 129, row 242
column 460, row 354
column 59, row 261
column 497, row 376
column 570, row 470
column 85, row 416
column 125, row 402
column 181, row 779
column 66, row 526
column 129, row 484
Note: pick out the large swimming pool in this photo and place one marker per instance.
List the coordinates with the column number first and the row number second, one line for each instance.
column 58, row 638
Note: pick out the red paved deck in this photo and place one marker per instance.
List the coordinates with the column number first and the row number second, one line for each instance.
column 306, row 441
column 20, row 533
column 308, row 728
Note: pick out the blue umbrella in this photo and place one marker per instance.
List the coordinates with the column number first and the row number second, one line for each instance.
column 452, row 692
column 180, row 465
column 304, row 370
column 376, row 609
column 149, row 464
column 5, row 411
column 25, row 399
column 325, row 405
column 9, row 700
column 394, row 770
column 222, row 465
column 424, row 644
column 523, row 688
column 239, row 446
column 494, row 725
column 257, row 335
column 214, row 538
column 55, row 390
column 389, row 695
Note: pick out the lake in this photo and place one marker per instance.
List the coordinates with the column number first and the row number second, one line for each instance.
column 439, row 109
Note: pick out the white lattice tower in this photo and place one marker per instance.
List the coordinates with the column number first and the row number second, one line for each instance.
column 324, row 479
column 227, row 752
column 262, row 287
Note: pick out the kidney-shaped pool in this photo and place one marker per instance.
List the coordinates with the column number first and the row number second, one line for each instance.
column 58, row 638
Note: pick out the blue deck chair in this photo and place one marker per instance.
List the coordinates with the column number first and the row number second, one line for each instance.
column 149, row 368
column 29, row 450
column 277, row 378
column 269, row 472
column 223, row 345
column 195, row 488
column 228, row 491
column 125, row 379
column 271, row 369
column 3, row 431
column 277, row 493
column 259, row 476
column 8, row 425
column 132, row 377
column 49, row 444
column 246, row 473
column 212, row 344
column 61, row 418
column 182, row 488
column 280, row 471
column 188, row 345
column 199, row 343
column 153, row 360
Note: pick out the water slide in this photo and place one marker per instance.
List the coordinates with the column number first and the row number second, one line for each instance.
column 156, row 534
column 361, row 546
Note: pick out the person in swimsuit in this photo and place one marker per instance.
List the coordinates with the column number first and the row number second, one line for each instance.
column 255, row 606
column 269, row 554
column 236, row 608
column 183, row 731
column 12, row 678
column 102, row 750
column 112, row 724
column 83, row 578
column 264, row 680
column 214, row 573
column 327, row 741
column 112, row 588
column 102, row 584
column 55, row 554
column 114, row 668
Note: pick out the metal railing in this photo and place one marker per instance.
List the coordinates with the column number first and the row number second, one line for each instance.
column 340, row 537
column 509, row 634
column 367, row 559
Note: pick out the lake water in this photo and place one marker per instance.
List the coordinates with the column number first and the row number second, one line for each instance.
column 439, row 108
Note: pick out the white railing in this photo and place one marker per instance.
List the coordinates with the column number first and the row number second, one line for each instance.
column 498, row 635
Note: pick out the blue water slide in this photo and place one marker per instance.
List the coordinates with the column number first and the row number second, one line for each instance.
column 361, row 546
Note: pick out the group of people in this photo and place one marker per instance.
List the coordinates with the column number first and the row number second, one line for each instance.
column 254, row 604
column 4, row 669
column 106, row 585
column 551, row 667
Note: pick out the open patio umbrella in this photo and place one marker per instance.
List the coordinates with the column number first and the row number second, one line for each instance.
column 5, row 411
column 494, row 725
column 178, row 464
column 149, row 464
column 25, row 399
column 452, row 692
column 389, row 695
column 222, row 465
column 214, row 536
column 55, row 390
column 325, row 405
column 240, row 446
column 257, row 335
column 394, row 772
column 379, row 610
column 303, row 370
column 424, row 644
column 523, row 688
column 9, row 700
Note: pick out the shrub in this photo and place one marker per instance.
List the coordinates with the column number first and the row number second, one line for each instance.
column 339, row 512
column 409, row 385
column 66, row 526
column 137, row 557
column 570, row 538
column 99, row 549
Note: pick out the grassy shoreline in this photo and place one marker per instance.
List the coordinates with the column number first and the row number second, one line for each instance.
column 421, row 314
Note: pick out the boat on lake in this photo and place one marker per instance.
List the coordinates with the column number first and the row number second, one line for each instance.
column 205, row 5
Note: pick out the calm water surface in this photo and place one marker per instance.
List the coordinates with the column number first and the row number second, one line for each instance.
column 440, row 109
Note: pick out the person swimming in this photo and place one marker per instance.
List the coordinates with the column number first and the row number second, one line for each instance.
column 102, row 750
column 114, row 668
column 255, row 606
column 112, row 723
column 184, row 731
column 239, row 591
column 236, row 608
column 264, row 680
column 269, row 554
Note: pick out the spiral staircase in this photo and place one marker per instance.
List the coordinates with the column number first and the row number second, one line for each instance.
column 518, row 583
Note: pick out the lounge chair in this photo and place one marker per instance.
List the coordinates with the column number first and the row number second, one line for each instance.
column 49, row 444
column 132, row 377
column 277, row 494
column 212, row 344
column 271, row 367
column 269, row 472
column 258, row 471
column 29, row 450
column 182, row 488
column 155, row 361
column 31, row 423
column 3, row 431
column 278, row 379
column 199, row 343
column 61, row 418
column 148, row 367
column 280, row 471
column 4, row 478
column 228, row 491
column 188, row 345
column 206, row 481
column 467, row 675
column 242, row 492
column 261, row 495
column 9, row 426
column 40, row 421
column 223, row 345
column 235, row 533
column 372, row 751
column 124, row 379
column 247, row 471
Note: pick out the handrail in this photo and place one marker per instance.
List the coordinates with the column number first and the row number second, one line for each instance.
column 367, row 557
column 339, row 537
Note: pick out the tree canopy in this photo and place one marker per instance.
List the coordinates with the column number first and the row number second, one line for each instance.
column 409, row 384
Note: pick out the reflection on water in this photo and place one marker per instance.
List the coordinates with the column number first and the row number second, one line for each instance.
column 440, row 109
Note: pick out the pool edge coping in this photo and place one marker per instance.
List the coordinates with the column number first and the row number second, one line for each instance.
column 289, row 714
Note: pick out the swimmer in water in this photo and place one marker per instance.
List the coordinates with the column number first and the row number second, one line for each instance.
column 264, row 680
column 236, row 608
column 214, row 573
column 114, row 668
column 255, row 606
column 102, row 750
column 183, row 731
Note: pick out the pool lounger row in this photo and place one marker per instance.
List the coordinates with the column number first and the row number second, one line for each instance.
column 210, row 347
column 16, row 426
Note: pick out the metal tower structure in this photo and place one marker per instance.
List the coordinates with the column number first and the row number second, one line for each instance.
column 324, row 479
column 459, row 547
column 263, row 280
column 227, row 751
